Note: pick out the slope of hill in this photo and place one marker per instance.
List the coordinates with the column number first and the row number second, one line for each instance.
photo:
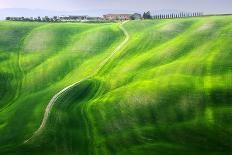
column 167, row 90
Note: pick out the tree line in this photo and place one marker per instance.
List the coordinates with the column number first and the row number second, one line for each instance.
column 147, row 15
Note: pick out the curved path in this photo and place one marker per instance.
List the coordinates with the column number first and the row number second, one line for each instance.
column 55, row 97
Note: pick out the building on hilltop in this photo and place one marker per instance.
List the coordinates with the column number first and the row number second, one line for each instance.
column 117, row 16
column 135, row 16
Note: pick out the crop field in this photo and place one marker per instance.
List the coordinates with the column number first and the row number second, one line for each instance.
column 134, row 88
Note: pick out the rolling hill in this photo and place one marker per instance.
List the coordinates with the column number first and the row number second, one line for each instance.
column 140, row 87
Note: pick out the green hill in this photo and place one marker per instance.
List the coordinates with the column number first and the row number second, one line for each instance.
column 141, row 87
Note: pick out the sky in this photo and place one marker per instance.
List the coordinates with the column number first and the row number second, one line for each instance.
column 206, row 6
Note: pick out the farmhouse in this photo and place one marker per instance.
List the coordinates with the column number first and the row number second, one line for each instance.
column 117, row 16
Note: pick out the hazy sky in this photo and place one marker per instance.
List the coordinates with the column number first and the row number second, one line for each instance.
column 207, row 6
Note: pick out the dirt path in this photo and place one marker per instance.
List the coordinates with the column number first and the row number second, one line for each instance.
column 54, row 98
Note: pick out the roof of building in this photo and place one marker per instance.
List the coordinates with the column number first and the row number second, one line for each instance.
column 118, row 15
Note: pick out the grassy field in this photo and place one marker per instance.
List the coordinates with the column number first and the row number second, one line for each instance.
column 168, row 90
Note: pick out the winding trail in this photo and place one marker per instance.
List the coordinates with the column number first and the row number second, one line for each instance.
column 56, row 96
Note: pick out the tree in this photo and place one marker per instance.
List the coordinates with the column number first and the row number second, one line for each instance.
column 132, row 17
column 147, row 15
column 39, row 18
column 144, row 15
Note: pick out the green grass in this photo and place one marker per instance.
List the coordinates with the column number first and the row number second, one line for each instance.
column 168, row 91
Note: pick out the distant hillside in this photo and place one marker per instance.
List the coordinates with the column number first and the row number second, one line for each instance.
column 159, row 87
column 15, row 12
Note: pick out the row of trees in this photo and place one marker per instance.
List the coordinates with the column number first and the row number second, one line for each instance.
column 147, row 15
column 178, row 15
column 46, row 19
column 55, row 18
